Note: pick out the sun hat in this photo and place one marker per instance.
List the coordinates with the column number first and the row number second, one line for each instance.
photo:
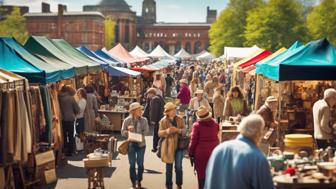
column 271, row 99
column 198, row 91
column 203, row 113
column 169, row 106
column 151, row 90
column 134, row 106
column 184, row 81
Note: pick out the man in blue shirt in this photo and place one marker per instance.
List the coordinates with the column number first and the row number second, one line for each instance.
column 239, row 164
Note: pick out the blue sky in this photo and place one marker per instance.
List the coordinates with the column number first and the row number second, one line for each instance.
column 167, row 10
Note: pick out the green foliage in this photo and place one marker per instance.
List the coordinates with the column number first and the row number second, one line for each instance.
column 109, row 32
column 321, row 22
column 277, row 24
column 228, row 29
column 14, row 26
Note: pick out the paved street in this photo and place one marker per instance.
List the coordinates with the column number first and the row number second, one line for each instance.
column 117, row 176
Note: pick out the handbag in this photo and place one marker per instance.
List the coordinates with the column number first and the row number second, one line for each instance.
column 183, row 142
column 123, row 148
column 159, row 147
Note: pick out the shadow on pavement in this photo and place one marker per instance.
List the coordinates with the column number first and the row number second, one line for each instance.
column 148, row 171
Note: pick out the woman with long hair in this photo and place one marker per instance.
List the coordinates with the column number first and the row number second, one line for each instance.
column 235, row 103
column 81, row 101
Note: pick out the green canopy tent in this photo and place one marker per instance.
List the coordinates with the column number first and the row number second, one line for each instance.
column 67, row 49
column 14, row 58
column 45, row 49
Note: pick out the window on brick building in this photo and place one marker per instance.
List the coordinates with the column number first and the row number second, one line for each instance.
column 146, row 47
column 188, row 47
column 197, row 47
column 84, row 38
column 127, row 32
column 178, row 47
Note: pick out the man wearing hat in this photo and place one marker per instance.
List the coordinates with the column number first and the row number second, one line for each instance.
column 155, row 112
column 136, row 150
column 268, row 110
column 184, row 95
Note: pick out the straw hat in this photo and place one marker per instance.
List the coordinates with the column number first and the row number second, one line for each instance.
column 169, row 106
column 134, row 106
column 152, row 90
column 184, row 81
column 271, row 99
column 198, row 91
column 203, row 113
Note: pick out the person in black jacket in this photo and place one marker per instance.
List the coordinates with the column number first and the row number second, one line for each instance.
column 156, row 109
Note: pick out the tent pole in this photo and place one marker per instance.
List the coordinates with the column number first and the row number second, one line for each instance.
column 279, row 114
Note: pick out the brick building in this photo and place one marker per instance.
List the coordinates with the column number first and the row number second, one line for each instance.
column 125, row 18
column 144, row 30
column 78, row 28
column 6, row 10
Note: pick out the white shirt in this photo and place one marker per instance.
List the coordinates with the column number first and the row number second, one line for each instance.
column 321, row 114
column 82, row 105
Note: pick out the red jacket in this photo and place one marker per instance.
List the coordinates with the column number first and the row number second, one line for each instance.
column 204, row 138
column 184, row 94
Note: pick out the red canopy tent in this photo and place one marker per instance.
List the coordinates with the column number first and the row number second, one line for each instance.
column 252, row 60
column 144, row 69
column 120, row 52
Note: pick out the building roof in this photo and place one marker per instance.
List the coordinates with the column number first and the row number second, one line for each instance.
column 115, row 4
column 181, row 24
column 65, row 14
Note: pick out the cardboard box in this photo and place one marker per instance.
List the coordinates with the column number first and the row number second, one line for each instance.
column 50, row 176
column 44, row 158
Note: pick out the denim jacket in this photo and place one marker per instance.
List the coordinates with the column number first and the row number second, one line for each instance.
column 140, row 126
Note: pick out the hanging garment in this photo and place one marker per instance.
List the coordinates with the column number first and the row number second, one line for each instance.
column 26, row 134
column 56, row 125
column 10, row 122
column 47, row 110
column 17, row 128
column 3, row 138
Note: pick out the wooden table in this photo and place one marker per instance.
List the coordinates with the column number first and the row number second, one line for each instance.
column 282, row 182
column 116, row 118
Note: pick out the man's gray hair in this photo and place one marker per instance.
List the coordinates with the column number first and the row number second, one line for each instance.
column 328, row 93
column 251, row 126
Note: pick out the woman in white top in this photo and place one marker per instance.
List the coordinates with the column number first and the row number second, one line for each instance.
column 81, row 101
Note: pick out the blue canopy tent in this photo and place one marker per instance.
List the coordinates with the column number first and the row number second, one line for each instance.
column 106, row 55
column 14, row 58
column 161, row 64
column 314, row 61
column 121, row 72
column 95, row 56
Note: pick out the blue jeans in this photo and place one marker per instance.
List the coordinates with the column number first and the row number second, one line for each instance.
column 136, row 154
column 178, row 170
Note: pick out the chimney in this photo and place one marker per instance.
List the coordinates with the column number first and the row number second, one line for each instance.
column 60, row 10
column 45, row 7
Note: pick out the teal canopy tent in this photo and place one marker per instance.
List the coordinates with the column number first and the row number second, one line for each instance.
column 314, row 61
column 14, row 58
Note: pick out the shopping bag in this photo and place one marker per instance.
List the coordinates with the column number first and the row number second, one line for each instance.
column 79, row 144
column 123, row 148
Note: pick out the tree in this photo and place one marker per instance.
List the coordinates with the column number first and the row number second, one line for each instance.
column 279, row 23
column 228, row 29
column 14, row 26
column 109, row 32
column 321, row 21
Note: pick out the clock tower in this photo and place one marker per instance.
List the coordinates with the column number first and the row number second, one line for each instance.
column 149, row 11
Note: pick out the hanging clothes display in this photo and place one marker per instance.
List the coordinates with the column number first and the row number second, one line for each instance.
column 47, row 112
column 38, row 117
column 56, row 124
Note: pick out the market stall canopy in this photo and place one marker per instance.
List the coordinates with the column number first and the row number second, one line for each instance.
column 105, row 55
column 96, row 57
column 138, row 52
column 160, row 64
column 121, row 72
column 15, row 58
column 314, row 61
column 46, row 50
column 120, row 52
column 6, row 76
column 144, row 69
column 273, row 56
column 206, row 56
column 238, row 52
column 183, row 54
column 75, row 54
column 255, row 57
column 159, row 52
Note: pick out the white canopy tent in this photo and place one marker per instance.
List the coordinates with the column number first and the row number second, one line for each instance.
column 183, row 54
column 231, row 53
column 138, row 52
column 205, row 56
column 159, row 52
